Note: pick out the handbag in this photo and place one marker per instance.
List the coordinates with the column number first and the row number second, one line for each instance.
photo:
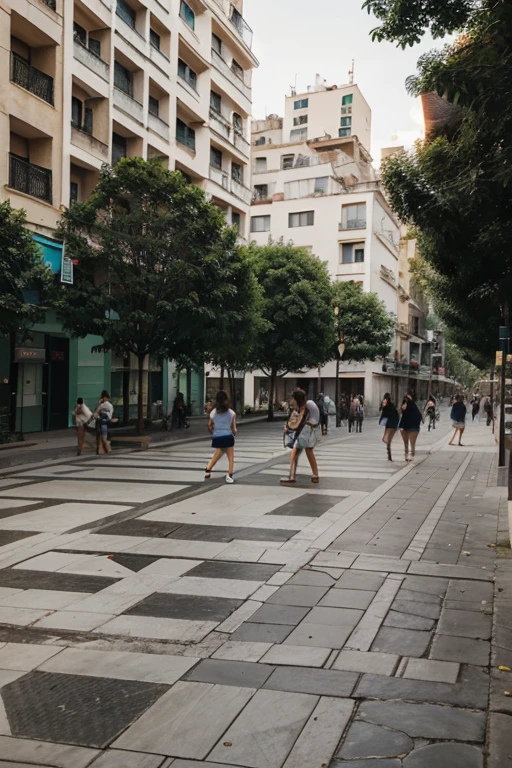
column 294, row 427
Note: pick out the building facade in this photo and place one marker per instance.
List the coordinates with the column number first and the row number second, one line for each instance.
column 86, row 83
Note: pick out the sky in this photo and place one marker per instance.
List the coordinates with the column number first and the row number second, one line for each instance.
column 295, row 39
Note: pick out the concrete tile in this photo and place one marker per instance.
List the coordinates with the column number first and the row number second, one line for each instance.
column 347, row 598
column 462, row 649
column 187, row 607
column 220, row 569
column 354, row 579
column 335, row 617
column 265, row 633
column 187, row 721
column 263, row 593
column 427, row 721
column 263, row 735
column 45, row 753
column 333, row 559
column 228, row 588
column 298, row 595
column 49, row 561
column 408, row 621
column 109, row 602
column 9, row 676
column 25, row 656
column 238, row 617
column 237, row 673
column 370, row 740
column 279, row 614
column 319, row 635
column 319, row 738
column 465, row 624
column 74, row 620
column 42, row 599
column 200, row 550
column 360, row 661
column 20, row 617
column 404, row 642
column 364, row 634
column 279, row 578
column 173, row 630
column 311, row 579
column 434, row 671
column 500, row 740
column 119, row 758
column 390, row 565
column 450, row 571
column 445, row 756
column 322, row 682
column 233, row 650
column 130, row 493
column 6, row 592
column 146, row 667
column 297, row 655
column 166, row 566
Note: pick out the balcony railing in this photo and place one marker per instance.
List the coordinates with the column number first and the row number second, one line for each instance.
column 84, row 140
column 91, row 61
column 220, row 177
column 158, row 125
column 220, row 124
column 127, row 104
column 241, row 191
column 241, row 26
column 29, row 178
column 226, row 70
column 32, row 79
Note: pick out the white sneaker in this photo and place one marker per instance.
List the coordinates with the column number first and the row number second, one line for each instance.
column 229, row 479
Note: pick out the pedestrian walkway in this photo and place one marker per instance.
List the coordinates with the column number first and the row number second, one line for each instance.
column 150, row 619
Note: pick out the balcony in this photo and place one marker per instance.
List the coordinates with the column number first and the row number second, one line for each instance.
column 29, row 178
column 158, row 126
column 241, row 191
column 352, row 224
column 31, row 79
column 84, row 140
column 241, row 26
column 226, row 70
column 91, row 61
column 127, row 104
column 242, row 144
column 219, row 124
column 219, row 177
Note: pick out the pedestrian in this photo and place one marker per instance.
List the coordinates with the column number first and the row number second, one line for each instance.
column 179, row 412
column 475, row 408
column 458, row 417
column 222, row 426
column 488, row 411
column 323, row 407
column 103, row 414
column 430, row 412
column 389, row 419
column 81, row 417
column 409, row 425
column 356, row 415
column 301, row 433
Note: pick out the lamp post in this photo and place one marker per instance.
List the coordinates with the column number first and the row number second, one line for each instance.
column 504, row 343
column 339, row 354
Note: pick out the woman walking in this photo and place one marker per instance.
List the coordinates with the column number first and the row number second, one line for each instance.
column 458, row 417
column 409, row 425
column 389, row 419
column 222, row 425
column 430, row 412
column 301, row 432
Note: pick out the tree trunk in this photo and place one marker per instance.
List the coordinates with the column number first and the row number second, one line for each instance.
column 221, row 382
column 140, row 395
column 189, row 391
column 231, row 377
column 271, row 392
column 126, row 394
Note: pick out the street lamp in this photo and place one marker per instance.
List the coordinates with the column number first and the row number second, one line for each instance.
column 339, row 354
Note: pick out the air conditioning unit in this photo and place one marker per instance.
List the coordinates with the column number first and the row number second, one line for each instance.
column 349, row 110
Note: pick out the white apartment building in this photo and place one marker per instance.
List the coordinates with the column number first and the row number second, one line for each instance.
column 314, row 184
column 86, row 82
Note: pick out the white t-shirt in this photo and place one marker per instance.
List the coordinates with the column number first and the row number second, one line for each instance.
column 314, row 412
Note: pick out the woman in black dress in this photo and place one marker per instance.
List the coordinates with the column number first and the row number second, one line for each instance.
column 389, row 419
column 409, row 426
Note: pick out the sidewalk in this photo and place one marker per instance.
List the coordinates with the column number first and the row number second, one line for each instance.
column 160, row 621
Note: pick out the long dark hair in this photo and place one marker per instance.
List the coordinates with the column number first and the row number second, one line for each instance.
column 300, row 397
column 221, row 401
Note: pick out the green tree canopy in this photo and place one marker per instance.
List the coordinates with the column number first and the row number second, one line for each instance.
column 297, row 308
column 155, row 261
column 363, row 319
column 24, row 281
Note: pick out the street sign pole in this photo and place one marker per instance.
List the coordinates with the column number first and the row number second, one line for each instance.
column 504, row 342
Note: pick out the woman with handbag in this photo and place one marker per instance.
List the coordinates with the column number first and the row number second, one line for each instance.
column 301, row 434
column 389, row 419
column 409, row 426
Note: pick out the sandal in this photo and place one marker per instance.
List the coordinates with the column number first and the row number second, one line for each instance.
column 315, row 479
column 287, row 481
column 207, row 473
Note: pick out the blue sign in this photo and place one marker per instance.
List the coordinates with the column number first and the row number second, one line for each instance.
column 52, row 252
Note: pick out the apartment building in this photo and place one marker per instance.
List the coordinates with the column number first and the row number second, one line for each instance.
column 87, row 82
column 314, row 184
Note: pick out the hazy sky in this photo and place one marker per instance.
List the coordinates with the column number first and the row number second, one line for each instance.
column 294, row 39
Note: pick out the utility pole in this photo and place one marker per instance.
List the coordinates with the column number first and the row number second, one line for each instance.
column 504, row 344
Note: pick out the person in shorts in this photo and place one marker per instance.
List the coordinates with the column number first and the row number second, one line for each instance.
column 222, row 425
column 81, row 417
column 103, row 415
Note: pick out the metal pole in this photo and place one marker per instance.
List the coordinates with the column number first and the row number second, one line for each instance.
column 337, row 395
column 504, row 350
column 493, row 370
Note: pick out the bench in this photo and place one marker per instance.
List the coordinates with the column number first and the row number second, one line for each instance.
column 142, row 441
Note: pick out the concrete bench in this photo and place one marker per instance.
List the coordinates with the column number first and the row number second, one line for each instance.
column 142, row 441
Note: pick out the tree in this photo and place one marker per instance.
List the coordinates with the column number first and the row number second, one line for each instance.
column 154, row 264
column 297, row 308
column 364, row 321
column 24, row 280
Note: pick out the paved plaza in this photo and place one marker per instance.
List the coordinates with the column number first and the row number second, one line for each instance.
column 150, row 619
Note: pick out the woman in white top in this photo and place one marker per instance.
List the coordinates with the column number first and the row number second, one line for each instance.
column 81, row 416
column 307, row 414
column 222, row 425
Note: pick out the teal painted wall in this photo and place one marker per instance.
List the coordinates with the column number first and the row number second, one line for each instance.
column 89, row 372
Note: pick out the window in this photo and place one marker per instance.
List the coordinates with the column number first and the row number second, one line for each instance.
column 73, row 192
column 87, row 125
column 303, row 219
column 287, row 161
column 154, row 39
column 301, row 104
column 118, row 147
column 321, row 185
column 305, row 187
column 187, row 14
column 354, row 216
column 123, row 78
column 260, row 164
column 215, row 101
column 185, row 135
column 300, row 120
column 79, row 34
column 153, row 106
column 217, row 44
column 95, row 46
column 346, row 122
column 261, row 191
column 237, row 69
column 216, row 158
column 346, row 100
column 236, row 221
column 260, row 224
column 352, row 253
column 346, row 110
column 259, row 142
column 238, row 123
column 187, row 74
column 126, row 13
column 299, row 134
column 237, row 173
column 76, row 112
column 344, row 132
